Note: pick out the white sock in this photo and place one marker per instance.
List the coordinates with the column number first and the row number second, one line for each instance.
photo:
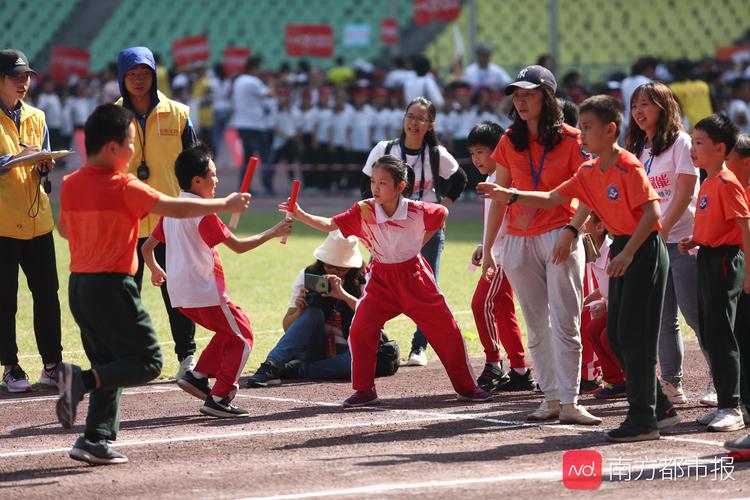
column 496, row 365
column 217, row 399
column 521, row 371
column 199, row 375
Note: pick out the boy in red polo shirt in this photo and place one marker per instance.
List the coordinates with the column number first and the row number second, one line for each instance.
column 722, row 229
column 100, row 208
column 616, row 187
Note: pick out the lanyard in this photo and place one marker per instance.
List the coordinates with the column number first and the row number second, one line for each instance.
column 421, row 162
column 648, row 163
column 536, row 176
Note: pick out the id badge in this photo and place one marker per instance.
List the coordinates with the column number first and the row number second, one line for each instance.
column 523, row 217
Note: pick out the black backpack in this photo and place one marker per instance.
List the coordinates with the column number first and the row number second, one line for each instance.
column 389, row 357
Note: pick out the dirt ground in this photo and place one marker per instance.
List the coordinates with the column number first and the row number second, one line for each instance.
column 300, row 443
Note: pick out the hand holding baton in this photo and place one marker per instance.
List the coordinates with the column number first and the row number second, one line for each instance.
column 291, row 206
column 252, row 162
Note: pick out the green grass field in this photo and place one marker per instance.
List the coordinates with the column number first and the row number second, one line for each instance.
column 260, row 282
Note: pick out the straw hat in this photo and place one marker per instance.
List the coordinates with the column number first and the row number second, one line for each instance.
column 339, row 251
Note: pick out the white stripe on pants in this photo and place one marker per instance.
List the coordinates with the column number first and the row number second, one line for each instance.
column 551, row 299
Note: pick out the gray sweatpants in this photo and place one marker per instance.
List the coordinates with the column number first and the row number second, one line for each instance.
column 551, row 298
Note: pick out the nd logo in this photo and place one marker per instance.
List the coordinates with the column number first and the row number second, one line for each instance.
column 582, row 469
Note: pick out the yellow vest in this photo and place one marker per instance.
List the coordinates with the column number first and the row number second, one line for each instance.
column 20, row 185
column 694, row 98
column 164, row 127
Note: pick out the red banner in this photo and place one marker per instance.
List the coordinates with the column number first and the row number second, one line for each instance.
column 426, row 11
column 66, row 61
column 189, row 50
column 234, row 60
column 389, row 31
column 309, row 40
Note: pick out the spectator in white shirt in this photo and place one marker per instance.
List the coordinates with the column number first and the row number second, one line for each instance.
column 739, row 107
column 50, row 103
column 399, row 74
column 423, row 83
column 483, row 73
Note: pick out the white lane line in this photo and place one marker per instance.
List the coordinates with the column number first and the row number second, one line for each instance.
column 229, row 435
column 482, row 418
column 206, row 339
column 382, row 488
column 127, row 392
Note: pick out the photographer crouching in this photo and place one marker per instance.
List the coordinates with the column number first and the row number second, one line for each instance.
column 316, row 325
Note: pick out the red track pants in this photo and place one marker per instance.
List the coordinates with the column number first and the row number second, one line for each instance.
column 596, row 333
column 225, row 355
column 495, row 317
column 409, row 288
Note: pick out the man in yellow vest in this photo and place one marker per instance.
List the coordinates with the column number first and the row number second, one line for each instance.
column 163, row 130
column 25, row 226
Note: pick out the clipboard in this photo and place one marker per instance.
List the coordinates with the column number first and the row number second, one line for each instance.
column 38, row 156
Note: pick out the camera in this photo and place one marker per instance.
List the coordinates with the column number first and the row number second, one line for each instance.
column 314, row 299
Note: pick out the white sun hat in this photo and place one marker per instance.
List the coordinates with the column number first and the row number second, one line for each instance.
column 339, row 251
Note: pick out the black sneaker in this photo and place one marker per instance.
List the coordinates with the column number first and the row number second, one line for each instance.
column 222, row 409
column 198, row 387
column 492, row 379
column 590, row 386
column 70, row 385
column 266, row 375
column 98, row 453
column 519, row 382
column 668, row 419
column 628, row 433
column 290, row 371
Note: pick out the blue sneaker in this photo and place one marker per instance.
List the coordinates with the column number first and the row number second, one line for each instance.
column 361, row 398
column 70, row 385
column 612, row 391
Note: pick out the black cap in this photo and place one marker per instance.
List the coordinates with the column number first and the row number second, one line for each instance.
column 532, row 77
column 14, row 62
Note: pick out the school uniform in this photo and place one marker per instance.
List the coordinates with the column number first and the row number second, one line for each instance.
column 494, row 310
column 308, row 118
column 399, row 280
column 361, row 123
column 101, row 209
column 199, row 291
column 340, row 125
column 636, row 298
column 721, row 272
column 462, row 121
column 551, row 295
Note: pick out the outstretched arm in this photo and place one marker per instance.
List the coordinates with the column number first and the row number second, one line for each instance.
column 324, row 224
column 242, row 245
column 183, row 208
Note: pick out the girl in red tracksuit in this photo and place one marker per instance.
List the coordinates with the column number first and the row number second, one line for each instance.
column 394, row 229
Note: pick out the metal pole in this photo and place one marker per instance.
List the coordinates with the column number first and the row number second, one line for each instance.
column 553, row 30
column 472, row 31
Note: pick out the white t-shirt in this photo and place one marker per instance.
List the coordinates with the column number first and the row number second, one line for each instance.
column 360, row 127
column 462, row 122
column 737, row 109
column 52, row 107
column 307, row 120
column 340, row 126
column 382, row 125
column 248, row 103
column 332, row 323
column 420, row 164
column 396, row 77
column 285, row 124
column 493, row 76
column 598, row 269
column 194, row 270
column 423, row 86
column 497, row 245
column 323, row 127
column 662, row 171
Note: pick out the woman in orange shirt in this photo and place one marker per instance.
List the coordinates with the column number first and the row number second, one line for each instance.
column 542, row 255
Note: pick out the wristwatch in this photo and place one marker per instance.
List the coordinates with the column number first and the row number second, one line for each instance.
column 513, row 196
column 572, row 229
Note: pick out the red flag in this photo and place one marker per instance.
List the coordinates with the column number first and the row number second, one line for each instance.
column 426, row 11
column 234, row 60
column 189, row 50
column 389, row 31
column 66, row 61
column 309, row 40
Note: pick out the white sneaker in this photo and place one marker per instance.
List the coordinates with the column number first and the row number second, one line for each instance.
column 674, row 393
column 710, row 398
column 417, row 358
column 727, row 419
column 49, row 377
column 16, row 380
column 186, row 365
column 707, row 418
column 548, row 410
column 576, row 414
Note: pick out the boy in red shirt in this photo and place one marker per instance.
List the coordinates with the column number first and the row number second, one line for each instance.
column 100, row 208
column 198, row 288
column 722, row 229
column 616, row 187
